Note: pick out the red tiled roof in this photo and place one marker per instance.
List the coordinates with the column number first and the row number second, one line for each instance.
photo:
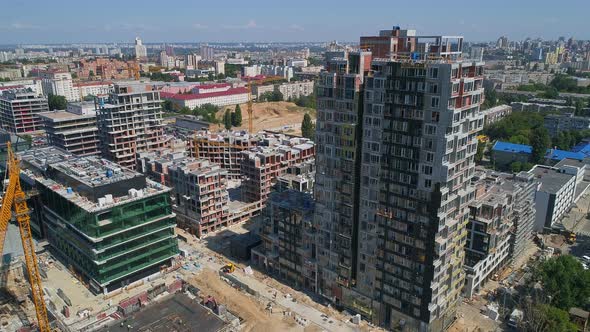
column 212, row 86
column 10, row 87
column 234, row 91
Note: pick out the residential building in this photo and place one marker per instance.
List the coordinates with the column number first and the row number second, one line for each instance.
column 231, row 96
column 506, row 153
column 389, row 43
column 57, row 82
column 200, row 195
column 207, row 52
column 298, row 177
column 140, row 50
column 554, row 195
column 105, row 69
column 541, row 107
column 130, row 121
column 192, row 61
column 73, row 130
column 294, row 90
column 96, row 88
column 500, row 224
column 19, row 111
column 557, row 123
column 288, row 239
column 495, row 114
column 395, row 153
column 112, row 226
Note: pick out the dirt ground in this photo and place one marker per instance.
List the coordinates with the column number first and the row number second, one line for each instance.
column 256, row 318
column 277, row 116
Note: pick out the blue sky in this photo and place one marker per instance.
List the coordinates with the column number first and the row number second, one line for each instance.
column 46, row 21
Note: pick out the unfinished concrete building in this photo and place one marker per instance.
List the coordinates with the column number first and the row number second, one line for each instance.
column 288, row 248
column 73, row 130
column 200, row 195
column 130, row 121
column 110, row 225
column 19, row 111
column 500, row 223
column 223, row 148
column 298, row 177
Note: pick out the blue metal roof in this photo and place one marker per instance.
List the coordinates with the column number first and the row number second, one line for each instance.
column 559, row 155
column 512, row 147
column 583, row 147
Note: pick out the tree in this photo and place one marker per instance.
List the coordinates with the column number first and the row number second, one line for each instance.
column 237, row 116
column 167, row 105
column 564, row 281
column 539, row 317
column 227, row 119
column 56, row 102
column 540, row 141
column 516, row 167
column 480, row 150
column 185, row 110
column 307, row 127
column 491, row 98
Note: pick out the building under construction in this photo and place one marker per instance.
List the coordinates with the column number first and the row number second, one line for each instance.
column 130, row 121
column 108, row 224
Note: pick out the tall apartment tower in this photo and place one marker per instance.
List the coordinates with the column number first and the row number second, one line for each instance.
column 395, row 154
column 140, row 49
column 130, row 121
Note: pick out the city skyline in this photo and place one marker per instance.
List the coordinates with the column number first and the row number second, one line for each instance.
column 267, row 21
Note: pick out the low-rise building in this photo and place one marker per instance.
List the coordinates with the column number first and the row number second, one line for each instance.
column 112, row 226
column 495, row 114
column 230, row 96
column 557, row 123
column 541, row 107
column 505, row 153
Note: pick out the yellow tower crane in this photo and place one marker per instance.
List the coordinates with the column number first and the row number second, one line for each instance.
column 14, row 200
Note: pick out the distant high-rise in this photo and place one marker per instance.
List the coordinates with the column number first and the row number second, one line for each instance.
column 207, row 52
column 140, row 50
column 396, row 139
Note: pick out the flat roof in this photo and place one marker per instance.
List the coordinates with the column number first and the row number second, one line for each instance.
column 550, row 178
column 56, row 116
column 176, row 313
column 512, row 147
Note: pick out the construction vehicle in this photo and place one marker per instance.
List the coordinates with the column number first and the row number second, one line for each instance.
column 228, row 268
column 14, row 200
column 570, row 237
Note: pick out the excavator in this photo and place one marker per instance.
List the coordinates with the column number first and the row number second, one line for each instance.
column 228, row 268
column 14, row 202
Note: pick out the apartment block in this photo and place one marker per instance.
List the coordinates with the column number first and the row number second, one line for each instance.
column 200, row 195
column 495, row 114
column 112, row 226
column 500, row 224
column 73, row 130
column 288, row 239
column 57, row 82
column 85, row 89
column 260, row 167
column 130, row 121
column 557, row 123
column 223, row 148
column 19, row 111
column 396, row 139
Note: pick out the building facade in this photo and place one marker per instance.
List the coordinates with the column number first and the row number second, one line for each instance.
column 112, row 226
column 395, row 155
column 20, row 109
column 73, row 130
column 130, row 121
column 59, row 83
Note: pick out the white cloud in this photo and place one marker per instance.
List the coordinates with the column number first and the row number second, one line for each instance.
column 251, row 24
column 296, row 27
column 20, row 26
column 200, row 26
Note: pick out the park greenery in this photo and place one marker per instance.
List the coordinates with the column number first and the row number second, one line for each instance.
column 56, row 102
column 307, row 127
column 560, row 83
column 206, row 111
column 274, row 95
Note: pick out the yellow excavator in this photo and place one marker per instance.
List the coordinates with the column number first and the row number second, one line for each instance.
column 228, row 268
column 14, row 201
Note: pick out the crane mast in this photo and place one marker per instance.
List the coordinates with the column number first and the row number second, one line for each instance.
column 14, row 200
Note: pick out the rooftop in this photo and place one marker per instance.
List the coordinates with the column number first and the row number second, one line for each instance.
column 86, row 181
column 56, row 116
column 512, row 147
column 229, row 92
column 551, row 179
column 176, row 313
